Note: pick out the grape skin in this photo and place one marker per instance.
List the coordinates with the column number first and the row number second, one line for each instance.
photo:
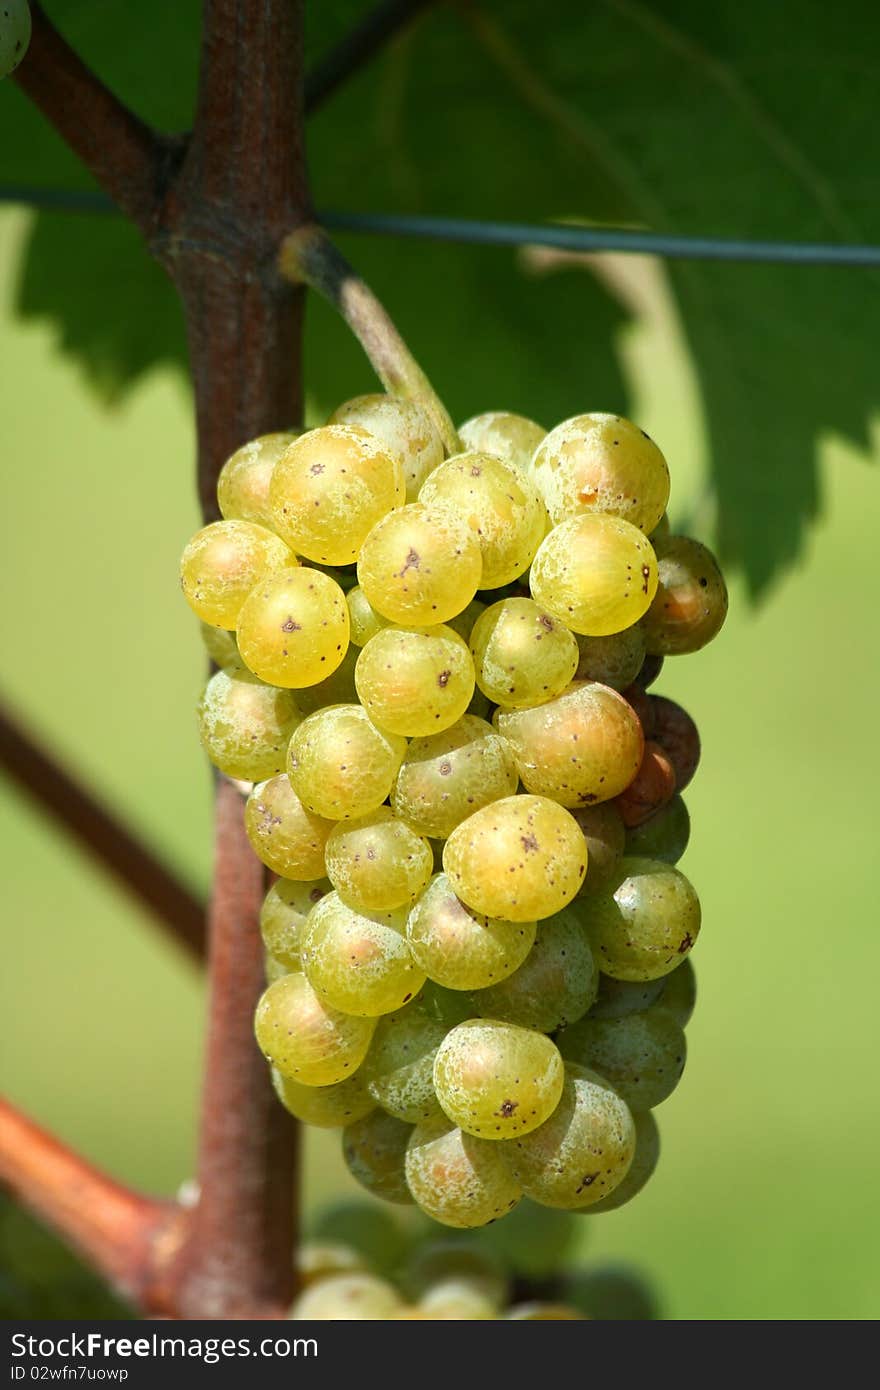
column 415, row 681
column 605, row 833
column 642, row 1055
column 223, row 562
column 283, row 916
column 463, row 622
column 496, row 1080
column 306, row 1039
column 245, row 725
column 420, row 565
column 461, row 949
column 458, row 1180
column 402, row 427
column 243, row 484
column 377, row 862
column 293, row 628
column 521, row 655
column 690, row 604
column 374, row 1149
column 680, row 993
column 643, row 922
column 347, row 1298
column 364, row 621
column 432, row 1268
column 554, row 986
column 677, row 735
column 617, row 998
column 502, row 509
column 445, row 777
column 326, row 1107
column 597, row 574
column 664, row 836
column 336, row 689
column 511, row 437
column 399, row 1067
column 341, row 765
column 651, row 788
column 614, row 660
column 602, row 464
column 359, row 962
column 645, row 1160
column 287, row 837
column 220, row 644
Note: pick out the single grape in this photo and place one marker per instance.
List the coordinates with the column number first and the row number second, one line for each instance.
column 403, row 429
column 642, row 705
column 643, row 922
column 543, row 1312
column 642, row 1055
column 327, row 1107
column 447, row 1006
column 500, row 505
column 456, row 1179
column 644, row 1163
column 341, row 765
column 399, row 1067
column 651, row 668
column 459, row 948
column 336, row 689
column 306, row 1039
column 374, row 1231
column 283, row 916
column 245, row 725
column 513, row 438
column 316, row 1261
column 677, row 735
column 680, row 993
column 690, row 604
column 612, row 1293
column 223, row 563
column 420, row 564
column 535, row 1242
column 463, row 622
column 662, row 531
column 364, row 621
column 614, row 660
column 602, row 464
column 496, row 1080
column 664, row 836
column 221, row 646
column 415, row 681
column 433, row 1268
column 605, row 833
column 273, row 969
column 377, row 862
column 287, row 837
column 359, row 962
column 583, row 747
column 457, row 1300
column 617, row 998
column 293, row 628
column 243, row 484
column 520, row 859
column 521, row 655
column 329, row 488
column 374, row 1149
column 597, row 574
column 347, row 1298
column 651, row 788
column 445, row 777
column 581, row 1153
column 554, row 986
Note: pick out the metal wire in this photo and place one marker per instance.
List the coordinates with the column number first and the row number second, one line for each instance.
column 561, row 237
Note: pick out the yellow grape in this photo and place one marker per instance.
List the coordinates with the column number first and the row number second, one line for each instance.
column 644, row 1162
column 319, row 1259
column 243, row 484
column 521, row 859
column 602, row 464
column 377, row 862
column 336, row 689
column 222, row 564
column 329, row 488
column 415, row 681
column 690, row 605
column 420, row 564
column 462, row 949
column 374, row 1149
column 293, row 628
column 643, row 921
column 402, row 427
column 500, row 505
column 220, row 644
column 327, row 1107
column 359, row 962
column 447, row 776
column 585, row 746
column 245, row 725
column 306, row 1039
column 456, row 1179
column 496, row 1080
column 522, row 656
column 615, row 660
column 284, row 834
column 283, row 916
column 341, row 765
column 351, row 1297
column 597, row 574
column 513, row 438
column 435, row 1268
column 365, row 621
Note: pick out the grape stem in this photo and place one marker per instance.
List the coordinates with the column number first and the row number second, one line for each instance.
column 309, row 257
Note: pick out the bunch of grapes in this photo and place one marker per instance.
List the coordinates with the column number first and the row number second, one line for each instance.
column 434, row 674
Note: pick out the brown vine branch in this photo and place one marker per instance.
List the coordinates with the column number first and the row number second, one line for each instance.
column 358, row 47
column 308, row 256
column 110, row 842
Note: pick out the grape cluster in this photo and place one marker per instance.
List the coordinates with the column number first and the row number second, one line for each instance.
column 435, row 674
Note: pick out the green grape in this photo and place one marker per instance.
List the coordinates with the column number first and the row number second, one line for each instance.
column 664, row 835
column 243, row 484
column 399, row 1068
column 374, row 1232
column 329, row 488
column 461, row 949
column 496, row 1080
column 273, row 968
column 447, row 1006
column 612, row 1293
column 521, row 655
column 614, row 660
column 597, row 574
column 535, row 1242
column 341, row 765
column 222, row 564
column 347, row 1298
column 336, row 689
column 500, row 505
column 605, row 833
column 415, row 681
column 643, row 921
column 554, row 986
column 306, row 1039
column 456, row 1179
column 420, row 564
column 402, row 427
column 457, row 1300
column 644, row 1162
column 220, row 644
column 245, row 725
column 463, row 622
column 365, row 622
column 690, row 604
column 520, row 859
column 601, row 464
column 582, row 1151
column 680, row 993
column 359, row 962
column 377, row 862
column 642, row 1055
column 316, row 1260
column 15, row 34
column 293, row 628
column 585, row 746
column 513, row 438
column 374, row 1149
column 542, row 1312
column 283, row 916
column 287, row 837
column 433, row 1269
column 662, row 531
column 617, row 998
column 447, row 776
column 327, row 1107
